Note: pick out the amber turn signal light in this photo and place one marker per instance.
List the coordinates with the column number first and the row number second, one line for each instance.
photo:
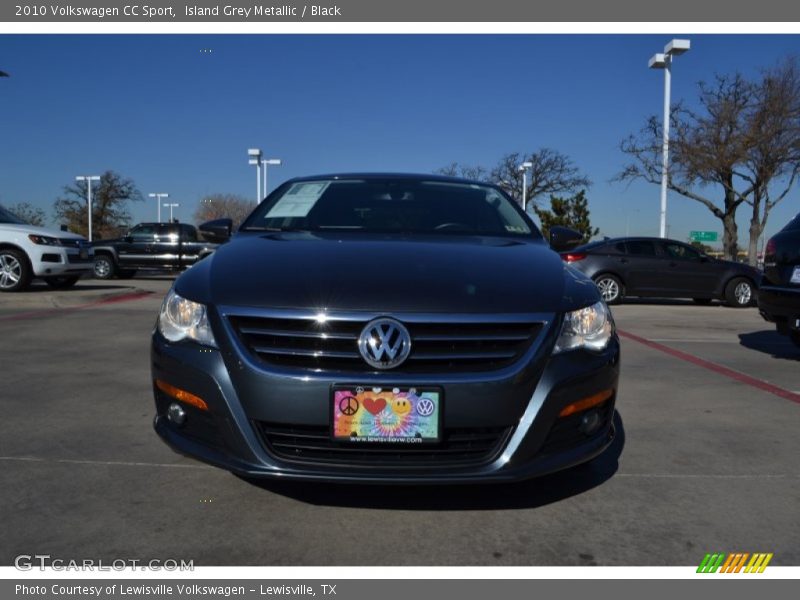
column 181, row 395
column 588, row 402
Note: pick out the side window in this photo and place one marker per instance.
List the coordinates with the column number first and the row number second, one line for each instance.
column 142, row 232
column 188, row 233
column 641, row 248
column 618, row 248
column 681, row 252
column 166, row 233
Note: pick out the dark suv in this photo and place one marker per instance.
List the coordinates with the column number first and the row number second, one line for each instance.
column 779, row 295
column 661, row 268
column 166, row 246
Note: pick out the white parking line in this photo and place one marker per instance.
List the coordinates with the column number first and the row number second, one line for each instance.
column 112, row 463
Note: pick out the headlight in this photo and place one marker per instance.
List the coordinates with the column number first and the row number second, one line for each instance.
column 44, row 240
column 590, row 328
column 182, row 319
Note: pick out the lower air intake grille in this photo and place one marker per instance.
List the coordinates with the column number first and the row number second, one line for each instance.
column 313, row 444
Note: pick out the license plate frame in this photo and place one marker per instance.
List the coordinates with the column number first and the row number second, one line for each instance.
column 381, row 418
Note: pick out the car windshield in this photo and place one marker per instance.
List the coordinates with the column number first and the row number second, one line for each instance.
column 794, row 224
column 390, row 205
column 9, row 217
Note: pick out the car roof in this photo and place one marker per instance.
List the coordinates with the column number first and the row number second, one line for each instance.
column 378, row 175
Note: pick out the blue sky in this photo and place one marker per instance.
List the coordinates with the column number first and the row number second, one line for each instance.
column 176, row 118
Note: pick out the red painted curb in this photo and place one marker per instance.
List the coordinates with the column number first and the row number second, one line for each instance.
column 113, row 300
column 706, row 364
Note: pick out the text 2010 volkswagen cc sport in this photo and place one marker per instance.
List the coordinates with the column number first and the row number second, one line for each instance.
column 385, row 328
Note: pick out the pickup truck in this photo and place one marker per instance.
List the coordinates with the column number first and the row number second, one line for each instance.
column 163, row 246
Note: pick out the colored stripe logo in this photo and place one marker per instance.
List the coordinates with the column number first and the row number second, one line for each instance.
column 735, row 562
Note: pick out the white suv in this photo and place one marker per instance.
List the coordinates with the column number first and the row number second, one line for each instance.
column 27, row 251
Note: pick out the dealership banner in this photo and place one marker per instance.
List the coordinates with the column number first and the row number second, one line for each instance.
column 397, row 589
column 341, row 11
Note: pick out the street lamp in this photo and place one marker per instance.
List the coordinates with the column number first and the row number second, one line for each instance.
column 171, row 206
column 524, row 169
column 664, row 61
column 89, row 179
column 158, row 197
column 255, row 159
column 264, row 163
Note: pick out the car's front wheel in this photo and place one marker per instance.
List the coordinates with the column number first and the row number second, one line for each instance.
column 610, row 288
column 62, row 282
column 15, row 272
column 739, row 292
column 104, row 267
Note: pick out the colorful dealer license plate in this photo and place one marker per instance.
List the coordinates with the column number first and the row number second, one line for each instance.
column 400, row 415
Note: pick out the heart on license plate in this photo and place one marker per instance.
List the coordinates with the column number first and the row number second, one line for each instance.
column 400, row 415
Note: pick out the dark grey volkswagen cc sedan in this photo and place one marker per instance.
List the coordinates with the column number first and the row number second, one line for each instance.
column 385, row 328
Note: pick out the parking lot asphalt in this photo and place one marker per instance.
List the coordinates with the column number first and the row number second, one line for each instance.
column 706, row 457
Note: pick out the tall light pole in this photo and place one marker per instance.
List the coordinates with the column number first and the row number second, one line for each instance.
column 158, row 197
column 264, row 163
column 89, row 179
column 171, row 206
column 524, row 168
column 255, row 159
column 664, row 61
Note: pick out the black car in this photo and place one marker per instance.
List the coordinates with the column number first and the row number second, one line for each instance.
column 662, row 268
column 162, row 246
column 385, row 328
column 779, row 292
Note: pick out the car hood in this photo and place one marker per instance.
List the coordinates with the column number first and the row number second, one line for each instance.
column 33, row 229
column 388, row 274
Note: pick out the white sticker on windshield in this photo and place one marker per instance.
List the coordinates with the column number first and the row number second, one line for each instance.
column 298, row 199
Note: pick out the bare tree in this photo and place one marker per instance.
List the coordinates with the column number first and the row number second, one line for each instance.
column 743, row 143
column 773, row 153
column 28, row 213
column 110, row 197
column 552, row 173
column 219, row 206
column 705, row 149
column 455, row 169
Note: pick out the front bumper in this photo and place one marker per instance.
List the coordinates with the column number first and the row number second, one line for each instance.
column 229, row 434
column 49, row 261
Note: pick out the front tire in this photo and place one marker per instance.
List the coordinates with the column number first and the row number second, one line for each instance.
column 104, row 267
column 63, row 282
column 15, row 271
column 610, row 288
column 740, row 292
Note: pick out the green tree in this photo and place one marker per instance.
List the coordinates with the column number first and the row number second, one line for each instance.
column 572, row 212
column 28, row 213
column 110, row 198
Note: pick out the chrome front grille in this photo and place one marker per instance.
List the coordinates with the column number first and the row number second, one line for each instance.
column 332, row 345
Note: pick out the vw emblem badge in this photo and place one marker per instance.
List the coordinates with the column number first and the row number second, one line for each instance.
column 384, row 343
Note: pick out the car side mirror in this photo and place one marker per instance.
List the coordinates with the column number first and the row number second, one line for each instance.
column 128, row 239
column 564, row 238
column 217, row 231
